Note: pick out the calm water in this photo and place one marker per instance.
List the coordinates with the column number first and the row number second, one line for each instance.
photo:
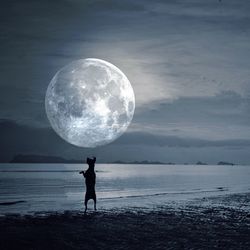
column 46, row 187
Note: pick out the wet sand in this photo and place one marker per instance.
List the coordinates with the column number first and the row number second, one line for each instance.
column 221, row 222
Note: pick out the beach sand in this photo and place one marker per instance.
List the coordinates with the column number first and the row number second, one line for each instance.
column 221, row 222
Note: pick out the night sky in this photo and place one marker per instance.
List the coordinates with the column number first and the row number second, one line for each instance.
column 187, row 60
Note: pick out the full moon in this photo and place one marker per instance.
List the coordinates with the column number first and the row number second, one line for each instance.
column 90, row 102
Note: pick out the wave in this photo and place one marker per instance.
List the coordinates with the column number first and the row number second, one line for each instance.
column 11, row 203
column 196, row 191
column 46, row 171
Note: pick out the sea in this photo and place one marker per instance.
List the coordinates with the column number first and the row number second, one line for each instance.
column 32, row 188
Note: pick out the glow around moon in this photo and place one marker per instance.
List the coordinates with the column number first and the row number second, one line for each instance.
column 90, row 102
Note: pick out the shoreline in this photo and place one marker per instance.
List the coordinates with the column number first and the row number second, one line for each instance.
column 219, row 222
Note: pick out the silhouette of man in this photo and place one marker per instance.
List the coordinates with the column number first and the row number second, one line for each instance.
column 90, row 177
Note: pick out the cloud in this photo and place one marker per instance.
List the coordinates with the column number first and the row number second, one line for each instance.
column 20, row 139
column 188, row 62
column 137, row 138
column 168, row 49
column 223, row 116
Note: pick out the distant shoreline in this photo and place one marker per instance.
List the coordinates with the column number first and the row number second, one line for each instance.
column 40, row 159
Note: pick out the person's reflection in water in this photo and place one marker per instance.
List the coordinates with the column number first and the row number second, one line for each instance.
column 90, row 177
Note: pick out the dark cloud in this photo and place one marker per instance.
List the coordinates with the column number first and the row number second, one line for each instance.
column 21, row 139
column 223, row 116
column 188, row 62
column 137, row 138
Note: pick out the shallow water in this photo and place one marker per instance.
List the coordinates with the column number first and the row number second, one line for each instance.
column 27, row 188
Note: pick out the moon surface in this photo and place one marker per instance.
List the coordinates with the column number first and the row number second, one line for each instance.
column 90, row 102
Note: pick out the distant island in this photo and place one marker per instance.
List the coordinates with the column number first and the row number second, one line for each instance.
column 56, row 159
column 201, row 163
column 169, row 163
column 219, row 163
column 225, row 163
column 143, row 162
